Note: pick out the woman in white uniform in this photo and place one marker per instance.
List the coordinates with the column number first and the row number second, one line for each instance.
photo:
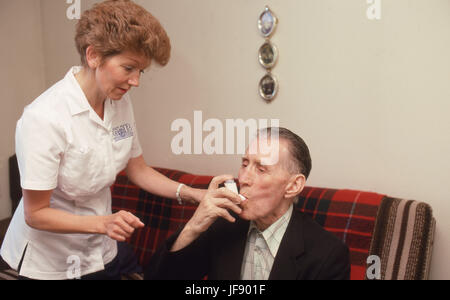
column 74, row 139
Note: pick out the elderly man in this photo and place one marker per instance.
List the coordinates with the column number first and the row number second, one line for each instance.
column 262, row 237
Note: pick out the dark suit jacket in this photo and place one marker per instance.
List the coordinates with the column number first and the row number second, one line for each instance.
column 307, row 252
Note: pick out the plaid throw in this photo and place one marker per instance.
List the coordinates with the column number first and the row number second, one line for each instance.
column 402, row 238
column 350, row 215
column 162, row 216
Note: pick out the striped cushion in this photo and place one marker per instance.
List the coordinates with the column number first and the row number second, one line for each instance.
column 351, row 215
column 403, row 239
column 8, row 274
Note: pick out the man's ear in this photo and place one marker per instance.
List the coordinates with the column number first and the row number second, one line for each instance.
column 92, row 58
column 295, row 186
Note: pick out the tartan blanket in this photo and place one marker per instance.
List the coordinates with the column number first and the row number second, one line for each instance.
column 352, row 216
column 162, row 216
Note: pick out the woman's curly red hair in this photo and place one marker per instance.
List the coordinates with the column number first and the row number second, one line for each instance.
column 115, row 26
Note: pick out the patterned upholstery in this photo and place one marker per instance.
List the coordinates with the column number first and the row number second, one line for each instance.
column 369, row 223
column 162, row 216
column 350, row 215
column 403, row 239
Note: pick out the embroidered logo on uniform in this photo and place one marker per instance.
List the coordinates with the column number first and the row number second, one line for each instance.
column 122, row 132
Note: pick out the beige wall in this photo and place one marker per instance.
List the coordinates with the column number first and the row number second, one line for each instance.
column 22, row 76
column 371, row 98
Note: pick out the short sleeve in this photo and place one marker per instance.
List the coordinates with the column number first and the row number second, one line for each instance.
column 136, row 149
column 40, row 144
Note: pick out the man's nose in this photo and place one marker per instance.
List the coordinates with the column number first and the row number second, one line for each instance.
column 244, row 177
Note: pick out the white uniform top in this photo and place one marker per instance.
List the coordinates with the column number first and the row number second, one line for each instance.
column 63, row 145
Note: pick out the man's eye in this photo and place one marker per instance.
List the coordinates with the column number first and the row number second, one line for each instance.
column 128, row 68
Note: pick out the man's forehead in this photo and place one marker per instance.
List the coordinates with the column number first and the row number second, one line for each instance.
column 266, row 151
column 260, row 145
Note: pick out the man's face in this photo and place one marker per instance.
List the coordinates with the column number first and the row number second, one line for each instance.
column 264, row 185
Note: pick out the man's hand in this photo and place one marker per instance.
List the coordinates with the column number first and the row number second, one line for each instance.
column 215, row 204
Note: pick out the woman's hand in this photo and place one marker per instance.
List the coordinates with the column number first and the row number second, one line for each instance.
column 121, row 225
column 39, row 215
column 191, row 195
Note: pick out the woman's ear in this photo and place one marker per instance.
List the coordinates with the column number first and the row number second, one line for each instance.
column 92, row 58
column 295, row 186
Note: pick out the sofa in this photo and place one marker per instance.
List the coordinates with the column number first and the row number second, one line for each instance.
column 388, row 238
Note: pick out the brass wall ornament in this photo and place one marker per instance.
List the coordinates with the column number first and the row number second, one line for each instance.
column 267, row 22
column 268, row 55
column 268, row 87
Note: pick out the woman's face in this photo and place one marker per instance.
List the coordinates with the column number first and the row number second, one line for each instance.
column 119, row 73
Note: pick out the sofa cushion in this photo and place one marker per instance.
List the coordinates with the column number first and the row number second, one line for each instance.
column 403, row 239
